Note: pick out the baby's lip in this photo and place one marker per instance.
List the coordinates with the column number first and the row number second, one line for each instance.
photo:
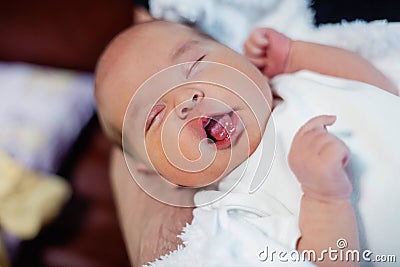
column 154, row 113
column 221, row 129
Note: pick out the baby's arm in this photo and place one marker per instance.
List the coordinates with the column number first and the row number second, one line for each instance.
column 318, row 158
column 274, row 53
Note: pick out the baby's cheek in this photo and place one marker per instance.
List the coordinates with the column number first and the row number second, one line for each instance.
column 187, row 158
column 180, row 144
column 189, row 143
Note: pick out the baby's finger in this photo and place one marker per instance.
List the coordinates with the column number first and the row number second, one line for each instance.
column 252, row 50
column 337, row 148
column 259, row 62
column 344, row 152
column 318, row 123
column 259, row 37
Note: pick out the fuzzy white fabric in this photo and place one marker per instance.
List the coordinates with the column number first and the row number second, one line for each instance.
column 218, row 236
column 216, row 239
column 231, row 21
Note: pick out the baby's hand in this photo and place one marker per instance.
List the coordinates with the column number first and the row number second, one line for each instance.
column 318, row 158
column 268, row 50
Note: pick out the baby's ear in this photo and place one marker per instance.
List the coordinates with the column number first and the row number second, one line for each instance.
column 143, row 168
column 137, row 165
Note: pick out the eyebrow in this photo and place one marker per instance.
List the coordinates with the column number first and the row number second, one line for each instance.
column 182, row 49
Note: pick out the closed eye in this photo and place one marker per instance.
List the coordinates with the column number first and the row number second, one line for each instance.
column 194, row 65
column 154, row 115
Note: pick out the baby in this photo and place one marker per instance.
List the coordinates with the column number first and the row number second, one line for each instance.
column 232, row 130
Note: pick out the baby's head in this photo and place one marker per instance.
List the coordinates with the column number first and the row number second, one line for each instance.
column 174, row 130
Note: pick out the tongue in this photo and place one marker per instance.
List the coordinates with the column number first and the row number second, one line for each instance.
column 220, row 129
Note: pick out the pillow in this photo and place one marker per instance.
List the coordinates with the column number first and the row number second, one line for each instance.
column 42, row 111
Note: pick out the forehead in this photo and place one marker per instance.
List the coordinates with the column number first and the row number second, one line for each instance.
column 156, row 45
column 134, row 56
column 162, row 34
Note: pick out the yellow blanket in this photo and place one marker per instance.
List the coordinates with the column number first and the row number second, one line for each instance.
column 27, row 200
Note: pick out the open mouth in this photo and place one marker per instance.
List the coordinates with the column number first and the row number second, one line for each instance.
column 222, row 129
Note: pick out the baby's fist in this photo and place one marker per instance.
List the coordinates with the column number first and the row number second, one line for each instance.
column 318, row 158
column 268, row 50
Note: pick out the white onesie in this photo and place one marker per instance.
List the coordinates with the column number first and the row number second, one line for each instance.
column 368, row 121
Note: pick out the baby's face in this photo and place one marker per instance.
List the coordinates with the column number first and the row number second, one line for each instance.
column 194, row 132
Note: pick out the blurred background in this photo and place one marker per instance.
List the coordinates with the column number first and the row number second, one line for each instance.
column 62, row 40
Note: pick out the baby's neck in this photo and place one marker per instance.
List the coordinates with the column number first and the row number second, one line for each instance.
column 275, row 101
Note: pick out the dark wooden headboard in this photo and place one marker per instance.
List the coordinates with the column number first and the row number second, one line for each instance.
column 62, row 33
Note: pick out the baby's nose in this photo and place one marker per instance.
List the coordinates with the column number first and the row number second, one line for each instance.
column 187, row 100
